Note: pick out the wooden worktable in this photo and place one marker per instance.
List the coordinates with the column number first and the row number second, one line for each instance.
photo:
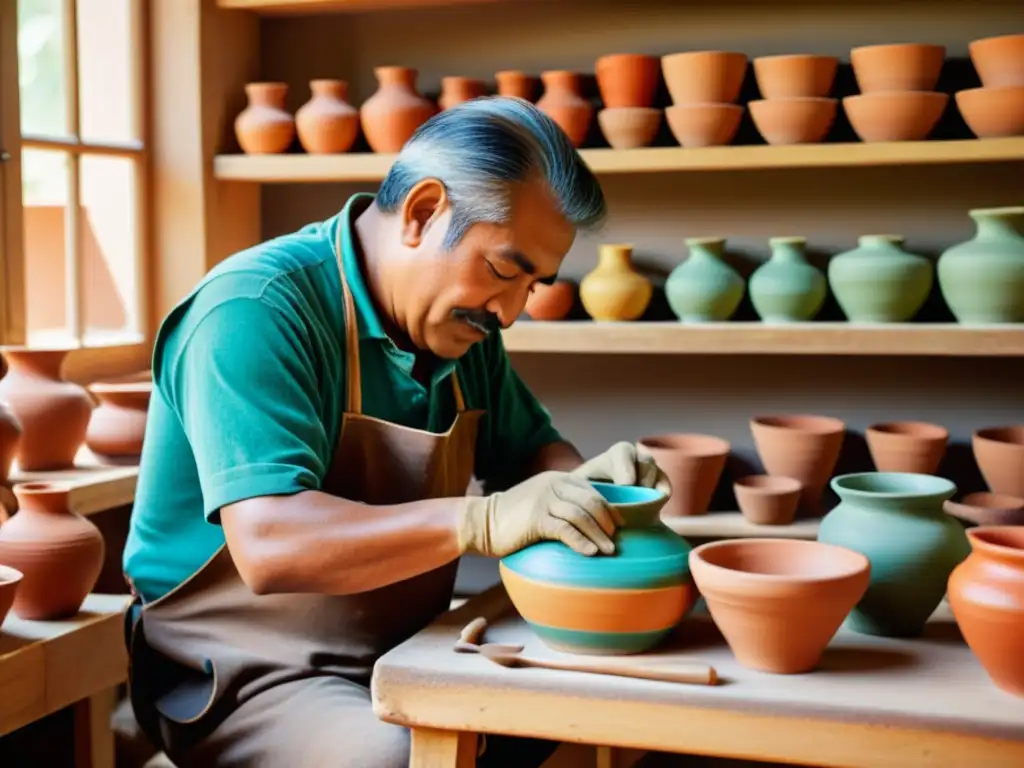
column 95, row 486
column 872, row 702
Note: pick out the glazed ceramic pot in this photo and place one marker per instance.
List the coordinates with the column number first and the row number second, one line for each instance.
column 627, row 79
column 551, row 302
column 563, row 103
column 53, row 414
column 455, row 90
column 327, row 124
column 986, row 596
column 786, row 288
column 767, row 499
column 10, row 580
column 606, row 604
column 982, row 280
column 393, row 113
column 907, row 446
column 264, row 127
column 629, row 127
column 704, row 288
column 615, row 290
column 778, row 602
column 59, row 552
column 879, row 282
column 10, row 440
column 795, row 75
column 118, row 426
column 896, row 520
column 897, row 67
column 999, row 452
column 704, row 77
column 516, row 84
column 693, row 464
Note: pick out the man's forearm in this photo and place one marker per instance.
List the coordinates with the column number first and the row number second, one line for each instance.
column 560, row 456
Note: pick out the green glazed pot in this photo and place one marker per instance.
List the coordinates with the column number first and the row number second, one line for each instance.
column 982, row 280
column 896, row 520
column 704, row 288
column 787, row 289
column 879, row 282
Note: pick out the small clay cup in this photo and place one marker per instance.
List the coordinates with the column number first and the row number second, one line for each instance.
column 629, row 127
column 999, row 452
column 704, row 125
column 994, row 112
column 704, row 77
column 793, row 120
column 551, row 302
column 907, row 446
column 985, row 508
column 999, row 60
column 795, row 76
column 627, row 79
column 10, row 580
column 897, row 67
column 895, row 115
column 768, row 499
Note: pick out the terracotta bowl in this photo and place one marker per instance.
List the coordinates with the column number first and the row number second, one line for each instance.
column 987, row 509
column 907, row 446
column 794, row 76
column 895, row 115
column 10, row 578
column 999, row 60
column 768, row 499
column 793, row 120
column 693, row 464
column 704, row 125
column 704, row 77
column 897, row 67
column 627, row 79
column 551, row 302
column 999, row 452
column 993, row 112
column 629, row 127
column 778, row 602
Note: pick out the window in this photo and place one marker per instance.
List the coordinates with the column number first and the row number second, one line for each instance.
column 83, row 203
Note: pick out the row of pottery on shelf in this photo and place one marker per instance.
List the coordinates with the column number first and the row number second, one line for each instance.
column 981, row 280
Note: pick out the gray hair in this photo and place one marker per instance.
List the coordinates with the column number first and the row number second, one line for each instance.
column 478, row 149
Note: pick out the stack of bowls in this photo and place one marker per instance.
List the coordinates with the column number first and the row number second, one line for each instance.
column 628, row 83
column 997, row 108
column 795, row 108
column 897, row 100
column 704, row 86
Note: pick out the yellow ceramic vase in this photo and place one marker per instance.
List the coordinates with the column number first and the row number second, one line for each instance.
column 615, row 290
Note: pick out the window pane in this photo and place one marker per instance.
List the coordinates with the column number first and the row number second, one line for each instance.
column 109, row 246
column 44, row 179
column 41, row 62
column 106, row 70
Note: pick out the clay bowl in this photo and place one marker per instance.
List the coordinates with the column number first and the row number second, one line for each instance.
column 627, row 79
column 897, row 67
column 629, row 127
column 551, row 302
column 907, row 446
column 693, row 464
column 778, row 602
column 704, row 125
column 768, row 499
column 999, row 452
column 895, row 115
column 993, row 112
column 794, row 76
column 793, row 120
column 999, row 60
column 10, row 579
column 987, row 509
column 704, row 77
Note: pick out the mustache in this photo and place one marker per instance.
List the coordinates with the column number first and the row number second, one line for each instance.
column 481, row 319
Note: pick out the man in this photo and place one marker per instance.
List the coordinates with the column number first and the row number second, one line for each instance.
column 321, row 403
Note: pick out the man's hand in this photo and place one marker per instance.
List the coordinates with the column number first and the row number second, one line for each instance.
column 553, row 506
column 622, row 464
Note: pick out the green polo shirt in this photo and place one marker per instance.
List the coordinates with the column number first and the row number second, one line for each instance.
column 250, row 385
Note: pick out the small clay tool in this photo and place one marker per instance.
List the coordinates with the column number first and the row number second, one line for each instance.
column 469, row 639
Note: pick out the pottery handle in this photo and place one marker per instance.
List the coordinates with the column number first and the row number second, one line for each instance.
column 693, row 673
column 473, row 631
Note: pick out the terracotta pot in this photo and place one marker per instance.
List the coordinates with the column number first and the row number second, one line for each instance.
column 59, row 552
column 999, row 60
column 327, row 124
column 999, row 452
column 118, row 425
column 10, row 580
column 897, row 67
column 265, row 127
column 993, row 113
column 614, row 290
column 455, row 90
column 564, row 104
column 907, row 446
column 393, row 113
column 627, row 79
column 767, row 500
column 551, row 302
column 626, row 603
column 693, row 464
column 515, row 83
column 704, row 77
column 54, row 414
column 704, row 125
column 987, row 509
column 793, row 120
column 629, row 127
column 986, row 596
column 805, row 448
column 795, row 76
column 778, row 602
column 895, row 116
column 10, row 441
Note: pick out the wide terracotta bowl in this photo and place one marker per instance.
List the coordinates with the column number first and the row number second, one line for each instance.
column 629, row 127
column 704, row 77
column 907, row 446
column 993, row 112
column 895, row 115
column 793, row 120
column 999, row 452
column 984, row 508
column 779, row 602
column 897, row 67
column 767, row 499
column 795, row 75
column 10, row 579
column 704, row 125
column 999, row 60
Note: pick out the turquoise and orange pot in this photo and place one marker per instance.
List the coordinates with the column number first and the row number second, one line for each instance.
column 623, row 603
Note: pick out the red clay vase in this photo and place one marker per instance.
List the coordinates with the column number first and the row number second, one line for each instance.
column 907, row 446
column 118, row 425
column 999, row 452
column 512, row 82
column 394, row 112
column 551, row 302
column 563, row 103
column 265, row 127
column 10, row 440
column 627, row 79
column 54, row 414
column 10, row 580
column 693, row 464
column 455, row 90
column 327, row 124
column 59, row 552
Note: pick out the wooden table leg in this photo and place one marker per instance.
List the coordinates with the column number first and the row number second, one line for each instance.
column 94, row 738
column 442, row 749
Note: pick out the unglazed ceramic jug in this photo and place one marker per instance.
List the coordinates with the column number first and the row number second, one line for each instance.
column 786, row 288
column 118, row 425
column 615, row 290
column 704, row 288
column 392, row 114
column 879, row 282
column 265, row 127
column 327, row 124
column 564, row 104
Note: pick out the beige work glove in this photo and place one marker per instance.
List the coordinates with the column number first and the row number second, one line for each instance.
column 551, row 506
column 623, row 464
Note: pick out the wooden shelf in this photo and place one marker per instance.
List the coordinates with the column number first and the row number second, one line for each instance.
column 743, row 338
column 303, row 7
column 95, row 487
column 359, row 167
column 733, row 525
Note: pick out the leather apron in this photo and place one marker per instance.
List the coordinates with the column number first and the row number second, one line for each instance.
column 210, row 646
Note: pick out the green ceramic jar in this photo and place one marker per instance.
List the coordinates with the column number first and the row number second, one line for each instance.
column 704, row 288
column 982, row 280
column 896, row 520
column 786, row 288
column 879, row 282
